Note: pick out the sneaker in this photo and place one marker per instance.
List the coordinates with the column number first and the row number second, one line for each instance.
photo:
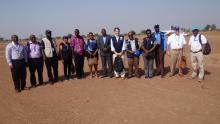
column 171, row 74
column 123, row 78
column 17, row 90
column 181, row 75
column 200, row 79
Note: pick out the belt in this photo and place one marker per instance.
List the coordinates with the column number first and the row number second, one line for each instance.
column 196, row 51
column 17, row 60
column 176, row 49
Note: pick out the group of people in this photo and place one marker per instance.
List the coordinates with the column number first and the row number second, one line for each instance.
column 111, row 49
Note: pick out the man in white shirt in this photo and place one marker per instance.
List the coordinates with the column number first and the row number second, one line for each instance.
column 196, row 53
column 133, row 46
column 118, row 47
column 176, row 43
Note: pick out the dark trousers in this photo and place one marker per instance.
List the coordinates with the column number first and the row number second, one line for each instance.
column 79, row 64
column 19, row 74
column 36, row 64
column 159, row 60
column 52, row 63
column 107, row 65
column 67, row 68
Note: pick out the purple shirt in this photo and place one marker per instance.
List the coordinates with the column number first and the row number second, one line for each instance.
column 34, row 50
column 77, row 45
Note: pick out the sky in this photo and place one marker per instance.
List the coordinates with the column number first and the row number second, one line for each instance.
column 25, row 17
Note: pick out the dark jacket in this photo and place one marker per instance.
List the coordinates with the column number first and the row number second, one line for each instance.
column 106, row 45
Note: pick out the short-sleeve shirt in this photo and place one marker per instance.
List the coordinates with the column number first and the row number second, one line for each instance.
column 176, row 41
column 194, row 43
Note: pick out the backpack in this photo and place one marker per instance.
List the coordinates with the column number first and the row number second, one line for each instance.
column 206, row 48
column 118, row 64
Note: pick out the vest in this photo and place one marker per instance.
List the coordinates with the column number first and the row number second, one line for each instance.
column 161, row 45
column 128, row 43
column 118, row 44
column 66, row 51
column 92, row 46
column 148, row 44
column 49, row 48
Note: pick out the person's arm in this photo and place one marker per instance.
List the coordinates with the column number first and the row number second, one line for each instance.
column 168, row 45
column 72, row 46
column 60, row 52
column 99, row 44
column 128, row 51
column 112, row 48
column 143, row 48
column 154, row 46
column 184, row 46
column 42, row 50
column 165, row 42
column 203, row 40
column 8, row 55
column 108, row 47
column 123, row 48
column 25, row 55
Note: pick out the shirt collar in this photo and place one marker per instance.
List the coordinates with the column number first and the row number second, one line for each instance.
column 131, row 40
column 13, row 43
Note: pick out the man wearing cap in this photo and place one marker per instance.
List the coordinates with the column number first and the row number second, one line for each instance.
column 160, row 50
column 133, row 58
column 16, row 56
column 50, row 56
column 118, row 47
column 104, row 45
column 176, row 43
column 196, row 54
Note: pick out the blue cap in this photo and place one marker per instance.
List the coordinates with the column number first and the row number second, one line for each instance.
column 176, row 28
column 65, row 37
column 157, row 26
column 195, row 28
column 137, row 53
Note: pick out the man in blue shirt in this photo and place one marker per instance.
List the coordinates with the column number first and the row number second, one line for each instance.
column 16, row 56
column 160, row 50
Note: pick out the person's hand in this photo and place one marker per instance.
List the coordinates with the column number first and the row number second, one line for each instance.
column 94, row 54
column 90, row 53
column 146, row 51
column 10, row 66
column 168, row 52
column 184, row 54
column 105, row 49
column 26, row 64
column 119, row 54
column 44, row 58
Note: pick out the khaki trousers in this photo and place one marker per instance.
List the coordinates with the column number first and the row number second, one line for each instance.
column 176, row 56
column 133, row 63
column 197, row 64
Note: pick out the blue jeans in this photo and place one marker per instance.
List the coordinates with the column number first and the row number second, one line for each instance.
column 148, row 66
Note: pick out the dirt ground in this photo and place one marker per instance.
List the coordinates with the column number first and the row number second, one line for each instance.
column 175, row 100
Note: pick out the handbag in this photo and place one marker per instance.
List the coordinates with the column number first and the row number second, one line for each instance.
column 183, row 63
column 92, row 61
